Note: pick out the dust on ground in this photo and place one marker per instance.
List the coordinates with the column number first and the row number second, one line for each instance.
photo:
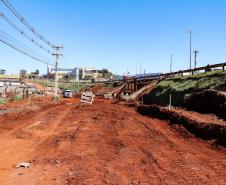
column 103, row 143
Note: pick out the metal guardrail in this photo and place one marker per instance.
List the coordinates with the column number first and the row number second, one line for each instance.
column 165, row 75
column 206, row 68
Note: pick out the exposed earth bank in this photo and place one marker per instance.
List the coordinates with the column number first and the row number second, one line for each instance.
column 205, row 93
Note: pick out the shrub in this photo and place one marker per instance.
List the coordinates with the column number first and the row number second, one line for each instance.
column 17, row 98
column 3, row 100
column 56, row 98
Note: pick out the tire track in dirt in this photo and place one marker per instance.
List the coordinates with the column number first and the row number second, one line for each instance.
column 176, row 152
column 167, row 156
column 26, row 135
column 27, row 119
column 58, row 142
column 113, row 144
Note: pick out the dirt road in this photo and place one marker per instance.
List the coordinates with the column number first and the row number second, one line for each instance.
column 103, row 144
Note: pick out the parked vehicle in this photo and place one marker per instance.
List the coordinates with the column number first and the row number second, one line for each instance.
column 67, row 94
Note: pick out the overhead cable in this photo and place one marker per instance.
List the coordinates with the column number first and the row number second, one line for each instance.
column 23, row 33
column 26, row 23
column 5, row 41
column 16, row 42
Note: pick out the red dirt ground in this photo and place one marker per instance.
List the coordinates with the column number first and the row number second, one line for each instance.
column 205, row 118
column 102, row 144
column 24, row 102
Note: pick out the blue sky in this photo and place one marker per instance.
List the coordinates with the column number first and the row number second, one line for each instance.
column 120, row 34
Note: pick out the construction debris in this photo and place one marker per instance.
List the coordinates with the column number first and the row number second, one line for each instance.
column 23, row 165
column 87, row 97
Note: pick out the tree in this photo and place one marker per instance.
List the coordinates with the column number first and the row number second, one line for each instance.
column 23, row 73
column 37, row 72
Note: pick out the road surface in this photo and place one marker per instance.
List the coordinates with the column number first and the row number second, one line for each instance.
column 103, row 144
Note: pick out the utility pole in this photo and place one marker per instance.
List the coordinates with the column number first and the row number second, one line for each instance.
column 190, row 33
column 196, row 53
column 57, row 55
column 47, row 71
column 136, row 70
column 140, row 67
column 171, row 63
column 170, row 101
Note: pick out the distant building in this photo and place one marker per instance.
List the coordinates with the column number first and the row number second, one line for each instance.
column 62, row 72
column 33, row 75
column 23, row 73
column 6, row 76
column 77, row 74
column 90, row 73
column 2, row 71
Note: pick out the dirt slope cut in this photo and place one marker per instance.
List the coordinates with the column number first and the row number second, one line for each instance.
column 209, row 130
column 208, row 101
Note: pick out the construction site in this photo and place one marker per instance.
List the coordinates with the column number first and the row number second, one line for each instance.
column 64, row 123
column 112, row 139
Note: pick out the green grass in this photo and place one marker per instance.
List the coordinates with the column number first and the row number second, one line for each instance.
column 56, row 98
column 213, row 80
column 182, row 87
column 3, row 100
column 17, row 98
column 74, row 87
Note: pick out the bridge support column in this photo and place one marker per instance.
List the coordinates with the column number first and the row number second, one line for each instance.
column 133, row 89
column 135, row 85
column 127, row 86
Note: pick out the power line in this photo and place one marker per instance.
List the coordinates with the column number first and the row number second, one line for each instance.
column 21, row 45
column 22, row 51
column 26, row 23
column 23, row 33
column 66, row 59
column 14, row 47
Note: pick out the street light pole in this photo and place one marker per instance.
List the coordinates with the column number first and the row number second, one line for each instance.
column 196, row 53
column 140, row 67
column 190, row 33
column 171, row 63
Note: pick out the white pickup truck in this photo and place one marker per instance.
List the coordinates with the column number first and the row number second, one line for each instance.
column 67, row 94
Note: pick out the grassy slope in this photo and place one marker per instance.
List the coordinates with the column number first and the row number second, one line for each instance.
column 182, row 87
